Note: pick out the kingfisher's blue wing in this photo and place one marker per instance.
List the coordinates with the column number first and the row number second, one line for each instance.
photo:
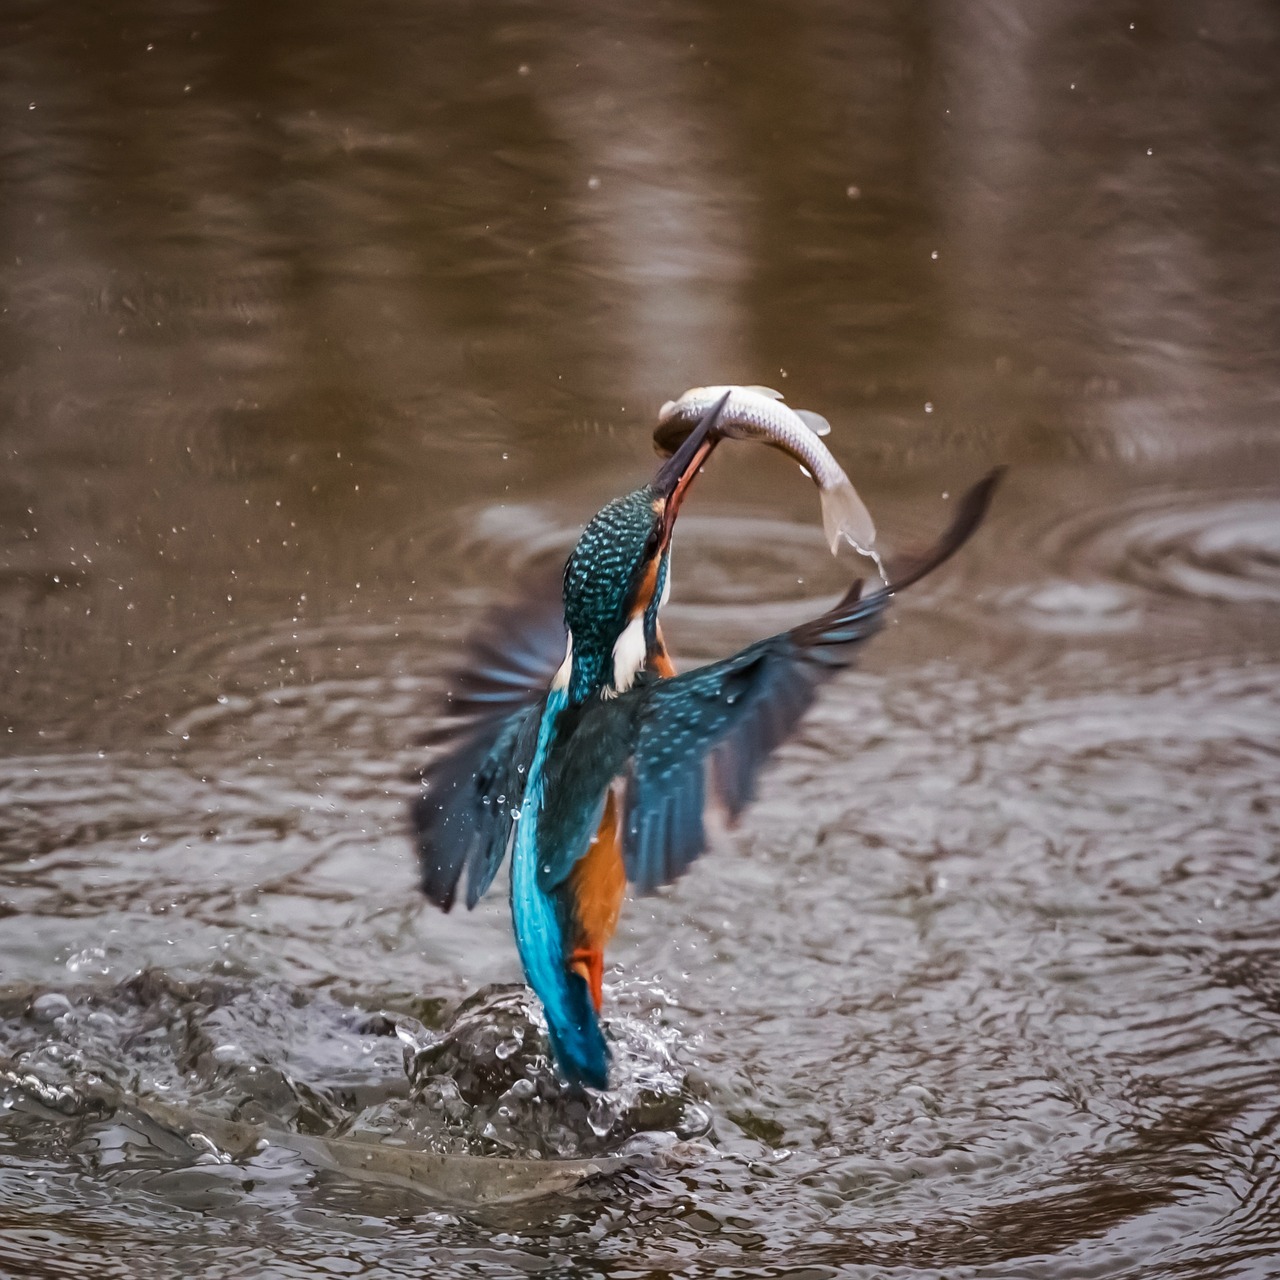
column 487, row 735
column 716, row 726
column 593, row 742
column 465, row 813
column 508, row 661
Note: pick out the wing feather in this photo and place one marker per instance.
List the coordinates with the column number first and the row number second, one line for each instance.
column 465, row 813
column 733, row 714
column 507, row 662
column 486, row 735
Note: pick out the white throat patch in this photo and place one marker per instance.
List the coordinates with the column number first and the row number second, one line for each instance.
column 561, row 678
column 629, row 654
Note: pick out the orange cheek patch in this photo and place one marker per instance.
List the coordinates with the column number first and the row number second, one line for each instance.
column 648, row 584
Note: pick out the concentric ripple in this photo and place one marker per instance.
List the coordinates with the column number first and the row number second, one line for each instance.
column 1197, row 546
column 1228, row 551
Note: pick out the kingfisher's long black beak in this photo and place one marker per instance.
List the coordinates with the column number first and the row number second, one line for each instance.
column 676, row 474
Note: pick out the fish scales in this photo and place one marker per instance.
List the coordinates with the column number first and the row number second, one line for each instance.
column 758, row 413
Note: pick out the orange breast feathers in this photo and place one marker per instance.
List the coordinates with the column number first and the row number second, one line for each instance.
column 597, row 882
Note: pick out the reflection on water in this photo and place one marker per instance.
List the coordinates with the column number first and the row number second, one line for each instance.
column 319, row 328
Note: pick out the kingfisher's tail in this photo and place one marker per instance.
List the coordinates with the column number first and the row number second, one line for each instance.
column 576, row 1038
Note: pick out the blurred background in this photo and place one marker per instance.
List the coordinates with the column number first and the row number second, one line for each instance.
column 319, row 323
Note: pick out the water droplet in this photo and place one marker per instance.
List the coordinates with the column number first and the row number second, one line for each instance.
column 506, row 1048
column 51, row 1005
column 603, row 1113
column 90, row 960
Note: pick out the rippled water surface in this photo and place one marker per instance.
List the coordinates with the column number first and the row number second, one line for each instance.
column 322, row 326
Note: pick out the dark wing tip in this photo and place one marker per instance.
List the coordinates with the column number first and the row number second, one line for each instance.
column 969, row 515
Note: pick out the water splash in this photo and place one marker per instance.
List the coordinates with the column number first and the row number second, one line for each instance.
column 471, row 1110
column 489, row 1077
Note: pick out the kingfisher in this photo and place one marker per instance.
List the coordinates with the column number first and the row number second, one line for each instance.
column 572, row 742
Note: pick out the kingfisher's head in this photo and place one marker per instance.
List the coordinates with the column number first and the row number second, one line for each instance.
column 618, row 575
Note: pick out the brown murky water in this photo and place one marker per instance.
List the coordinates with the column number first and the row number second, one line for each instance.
column 320, row 322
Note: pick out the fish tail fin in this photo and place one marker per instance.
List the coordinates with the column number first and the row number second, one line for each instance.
column 845, row 515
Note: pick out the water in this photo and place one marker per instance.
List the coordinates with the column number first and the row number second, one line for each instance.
column 319, row 328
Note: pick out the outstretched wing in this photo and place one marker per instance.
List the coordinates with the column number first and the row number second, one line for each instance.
column 487, row 734
column 719, row 723
column 508, row 661
column 465, row 813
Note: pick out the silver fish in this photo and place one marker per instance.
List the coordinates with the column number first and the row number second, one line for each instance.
column 757, row 413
